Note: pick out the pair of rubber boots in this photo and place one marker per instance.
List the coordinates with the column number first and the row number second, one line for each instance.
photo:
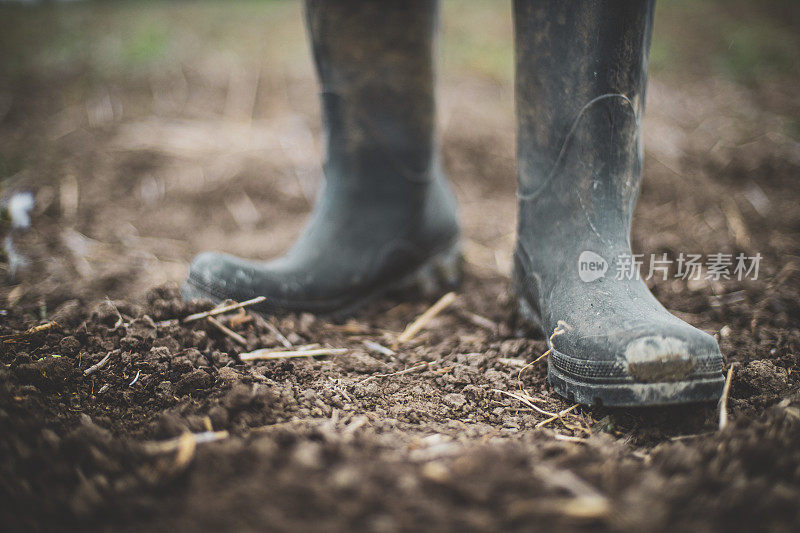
column 386, row 218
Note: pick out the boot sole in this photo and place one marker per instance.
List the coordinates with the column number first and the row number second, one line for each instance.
column 442, row 272
column 633, row 394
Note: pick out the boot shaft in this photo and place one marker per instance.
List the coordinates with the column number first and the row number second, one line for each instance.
column 376, row 68
column 580, row 80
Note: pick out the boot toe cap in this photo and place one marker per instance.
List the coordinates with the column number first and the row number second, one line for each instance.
column 209, row 276
column 672, row 357
column 657, row 351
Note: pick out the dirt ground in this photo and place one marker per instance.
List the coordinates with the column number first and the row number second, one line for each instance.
column 112, row 417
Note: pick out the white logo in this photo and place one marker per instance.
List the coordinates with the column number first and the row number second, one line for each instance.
column 591, row 266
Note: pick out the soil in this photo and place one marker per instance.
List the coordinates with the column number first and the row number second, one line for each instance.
column 126, row 194
column 335, row 443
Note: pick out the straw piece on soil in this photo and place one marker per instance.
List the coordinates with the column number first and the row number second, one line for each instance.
column 723, row 401
column 557, row 416
column 578, row 508
column 692, row 436
column 97, row 366
column 213, row 312
column 375, row 347
column 69, row 195
column 264, row 354
column 509, row 361
column 31, row 331
column 587, row 502
column 569, row 438
column 417, row 325
column 181, row 442
column 274, row 330
column 735, row 221
column 561, row 328
column 527, row 400
column 480, row 321
column 38, row 329
column 304, row 347
column 335, row 385
column 187, row 444
column 226, row 330
column 120, row 321
column 240, row 319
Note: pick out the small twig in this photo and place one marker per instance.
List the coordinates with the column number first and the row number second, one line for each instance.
column 97, row 366
column 723, row 401
column 398, row 373
column 263, row 354
column 226, row 330
column 557, row 416
column 414, row 328
column 212, row 312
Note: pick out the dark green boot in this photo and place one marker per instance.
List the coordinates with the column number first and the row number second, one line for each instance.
column 385, row 218
column 581, row 77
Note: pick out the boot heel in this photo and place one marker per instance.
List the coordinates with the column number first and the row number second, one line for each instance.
column 441, row 273
column 525, row 317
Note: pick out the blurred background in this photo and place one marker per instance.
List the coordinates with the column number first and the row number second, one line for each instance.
column 149, row 131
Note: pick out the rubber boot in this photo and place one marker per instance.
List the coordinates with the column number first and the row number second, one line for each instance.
column 580, row 91
column 385, row 218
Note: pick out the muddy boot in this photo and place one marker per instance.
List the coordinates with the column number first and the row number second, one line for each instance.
column 385, row 218
column 580, row 86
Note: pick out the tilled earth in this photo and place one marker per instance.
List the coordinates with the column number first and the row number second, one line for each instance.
column 174, row 431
